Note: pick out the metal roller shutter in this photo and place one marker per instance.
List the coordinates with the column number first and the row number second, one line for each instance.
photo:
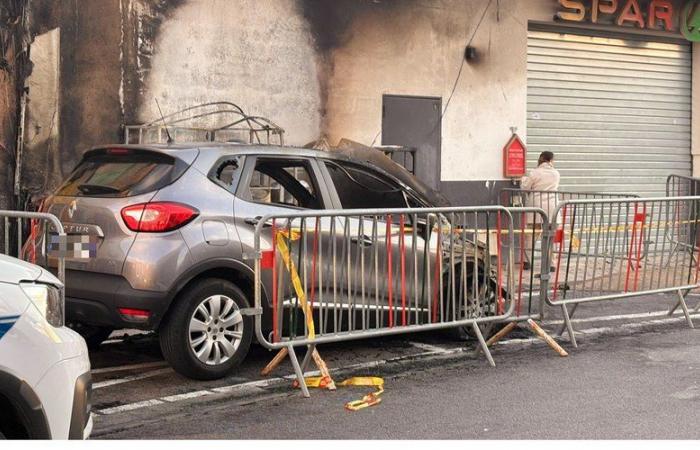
column 615, row 112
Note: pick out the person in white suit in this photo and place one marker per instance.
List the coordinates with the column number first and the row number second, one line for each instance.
column 540, row 181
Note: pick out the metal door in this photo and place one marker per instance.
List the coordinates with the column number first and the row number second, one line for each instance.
column 415, row 122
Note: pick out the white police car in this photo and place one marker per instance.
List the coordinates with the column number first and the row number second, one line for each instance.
column 45, row 384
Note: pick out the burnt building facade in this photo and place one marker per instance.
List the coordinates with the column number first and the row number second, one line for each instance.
column 607, row 85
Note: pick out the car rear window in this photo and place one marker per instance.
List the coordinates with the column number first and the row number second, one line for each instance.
column 121, row 173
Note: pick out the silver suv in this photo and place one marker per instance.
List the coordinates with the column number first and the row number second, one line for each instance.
column 172, row 223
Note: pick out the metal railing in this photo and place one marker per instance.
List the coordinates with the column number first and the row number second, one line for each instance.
column 531, row 270
column 193, row 124
column 683, row 186
column 331, row 276
column 515, row 197
column 21, row 230
column 607, row 249
column 532, row 224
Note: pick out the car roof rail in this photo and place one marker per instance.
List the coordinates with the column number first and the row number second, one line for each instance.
column 194, row 124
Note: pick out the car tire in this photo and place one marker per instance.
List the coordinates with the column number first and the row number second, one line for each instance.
column 487, row 329
column 204, row 335
column 94, row 336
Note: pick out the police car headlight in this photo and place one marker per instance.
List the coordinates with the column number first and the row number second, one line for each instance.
column 48, row 300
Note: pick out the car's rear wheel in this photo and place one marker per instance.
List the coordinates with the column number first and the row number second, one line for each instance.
column 205, row 335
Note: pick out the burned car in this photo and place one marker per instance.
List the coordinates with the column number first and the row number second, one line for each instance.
column 174, row 227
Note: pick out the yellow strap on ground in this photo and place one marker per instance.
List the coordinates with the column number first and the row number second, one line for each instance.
column 371, row 399
column 296, row 281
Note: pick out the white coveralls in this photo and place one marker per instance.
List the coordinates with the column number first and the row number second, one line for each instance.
column 542, row 179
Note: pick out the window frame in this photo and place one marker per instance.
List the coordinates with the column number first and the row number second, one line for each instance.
column 243, row 189
column 378, row 174
column 212, row 175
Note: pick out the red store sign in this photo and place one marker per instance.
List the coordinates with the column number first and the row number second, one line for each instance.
column 659, row 15
column 514, row 165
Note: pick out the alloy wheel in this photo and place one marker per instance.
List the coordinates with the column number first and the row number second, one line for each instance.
column 216, row 330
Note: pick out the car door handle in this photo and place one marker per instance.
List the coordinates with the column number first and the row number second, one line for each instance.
column 254, row 221
column 363, row 241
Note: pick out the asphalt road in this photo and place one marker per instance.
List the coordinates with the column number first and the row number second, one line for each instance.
column 636, row 377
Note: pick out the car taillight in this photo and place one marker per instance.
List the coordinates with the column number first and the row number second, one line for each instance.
column 158, row 217
column 135, row 315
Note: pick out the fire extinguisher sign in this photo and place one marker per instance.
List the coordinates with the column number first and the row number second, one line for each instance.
column 514, row 154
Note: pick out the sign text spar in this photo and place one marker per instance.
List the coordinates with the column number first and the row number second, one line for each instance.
column 649, row 14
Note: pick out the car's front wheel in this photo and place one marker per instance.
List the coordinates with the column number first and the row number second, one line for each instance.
column 484, row 305
column 205, row 335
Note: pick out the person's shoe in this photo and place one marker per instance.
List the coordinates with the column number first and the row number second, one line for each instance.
column 526, row 265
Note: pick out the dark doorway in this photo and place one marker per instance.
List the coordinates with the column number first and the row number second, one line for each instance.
column 415, row 122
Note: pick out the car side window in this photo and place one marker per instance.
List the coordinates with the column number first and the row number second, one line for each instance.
column 226, row 172
column 360, row 188
column 284, row 183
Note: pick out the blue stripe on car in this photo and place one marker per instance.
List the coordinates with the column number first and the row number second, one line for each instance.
column 6, row 323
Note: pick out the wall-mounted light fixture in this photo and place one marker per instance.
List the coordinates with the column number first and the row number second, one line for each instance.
column 470, row 53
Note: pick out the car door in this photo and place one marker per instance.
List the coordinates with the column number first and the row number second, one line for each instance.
column 279, row 185
column 387, row 260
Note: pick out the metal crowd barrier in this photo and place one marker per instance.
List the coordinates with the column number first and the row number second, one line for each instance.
column 532, row 226
column 515, row 197
column 530, row 286
column 22, row 230
column 683, row 186
column 332, row 276
column 607, row 249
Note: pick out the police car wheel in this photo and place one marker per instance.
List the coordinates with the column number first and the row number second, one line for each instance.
column 205, row 334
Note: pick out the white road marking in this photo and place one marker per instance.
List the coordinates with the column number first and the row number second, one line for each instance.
column 436, row 351
column 131, row 406
column 121, row 335
column 636, row 325
column 613, row 318
column 185, row 396
column 428, row 347
column 153, row 373
column 148, row 365
column 259, row 383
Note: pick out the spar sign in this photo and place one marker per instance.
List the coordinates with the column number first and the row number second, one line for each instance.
column 677, row 17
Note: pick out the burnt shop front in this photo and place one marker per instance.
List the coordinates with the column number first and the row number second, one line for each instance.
column 609, row 90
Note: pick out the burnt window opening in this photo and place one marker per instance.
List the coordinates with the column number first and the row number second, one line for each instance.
column 284, row 183
column 359, row 188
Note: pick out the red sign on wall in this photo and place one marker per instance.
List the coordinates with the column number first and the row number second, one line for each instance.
column 514, row 153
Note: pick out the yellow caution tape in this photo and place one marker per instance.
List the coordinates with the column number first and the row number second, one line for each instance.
column 325, row 381
column 296, row 281
column 575, row 242
column 371, row 399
